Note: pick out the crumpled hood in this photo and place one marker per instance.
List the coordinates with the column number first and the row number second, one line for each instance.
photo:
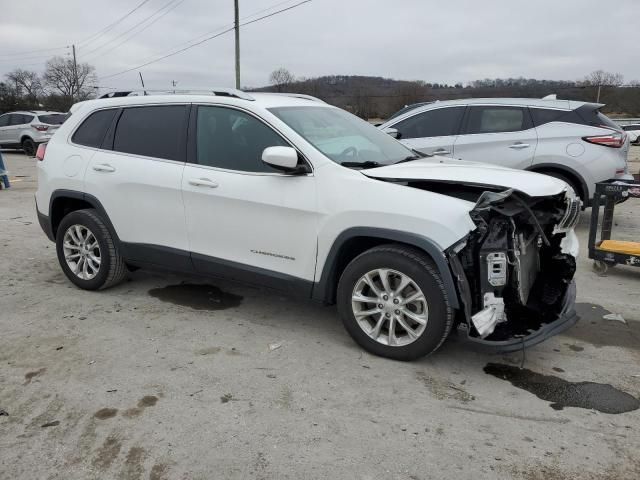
column 459, row 171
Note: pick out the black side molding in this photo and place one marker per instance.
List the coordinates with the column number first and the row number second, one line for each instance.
column 324, row 288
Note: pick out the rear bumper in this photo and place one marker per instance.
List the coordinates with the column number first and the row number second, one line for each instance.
column 566, row 319
column 45, row 224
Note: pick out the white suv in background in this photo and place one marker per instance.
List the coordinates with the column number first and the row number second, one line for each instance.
column 288, row 192
column 26, row 130
column 569, row 140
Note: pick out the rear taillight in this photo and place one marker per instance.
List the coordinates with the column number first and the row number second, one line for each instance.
column 42, row 149
column 613, row 139
column 41, row 128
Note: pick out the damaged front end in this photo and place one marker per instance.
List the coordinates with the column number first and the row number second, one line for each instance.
column 515, row 271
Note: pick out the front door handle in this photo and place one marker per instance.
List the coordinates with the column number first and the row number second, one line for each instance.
column 103, row 167
column 519, row 146
column 203, row 182
column 441, row 151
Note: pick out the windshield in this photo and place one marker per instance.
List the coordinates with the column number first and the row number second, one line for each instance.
column 53, row 119
column 342, row 137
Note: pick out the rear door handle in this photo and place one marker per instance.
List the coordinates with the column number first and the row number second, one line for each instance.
column 203, row 182
column 103, row 167
column 519, row 146
column 441, row 151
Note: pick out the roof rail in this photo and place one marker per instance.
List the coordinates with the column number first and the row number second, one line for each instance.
column 219, row 92
column 297, row 95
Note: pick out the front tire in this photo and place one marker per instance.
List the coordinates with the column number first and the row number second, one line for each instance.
column 87, row 252
column 29, row 147
column 393, row 303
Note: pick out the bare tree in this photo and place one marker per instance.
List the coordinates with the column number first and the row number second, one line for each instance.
column 600, row 79
column 61, row 76
column 280, row 78
column 603, row 79
column 26, row 83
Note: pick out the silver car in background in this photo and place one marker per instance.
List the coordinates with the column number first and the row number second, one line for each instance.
column 569, row 140
column 27, row 129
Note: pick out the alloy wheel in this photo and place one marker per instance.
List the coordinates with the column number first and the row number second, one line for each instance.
column 390, row 307
column 81, row 252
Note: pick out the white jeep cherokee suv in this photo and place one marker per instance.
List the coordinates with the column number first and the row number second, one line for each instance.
column 291, row 193
column 569, row 140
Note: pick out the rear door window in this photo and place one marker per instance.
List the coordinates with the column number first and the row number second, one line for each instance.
column 20, row 119
column 440, row 122
column 154, row 131
column 497, row 119
column 93, row 130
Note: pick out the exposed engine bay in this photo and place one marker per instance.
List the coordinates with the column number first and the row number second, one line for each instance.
column 513, row 271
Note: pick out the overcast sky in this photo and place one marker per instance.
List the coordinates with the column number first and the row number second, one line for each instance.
column 435, row 41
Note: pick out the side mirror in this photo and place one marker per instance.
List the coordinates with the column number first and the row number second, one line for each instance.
column 282, row 158
column 392, row 132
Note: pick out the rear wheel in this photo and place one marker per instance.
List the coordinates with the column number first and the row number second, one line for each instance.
column 392, row 302
column 572, row 183
column 87, row 252
column 29, row 147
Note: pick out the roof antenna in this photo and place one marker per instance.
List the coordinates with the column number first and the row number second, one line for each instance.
column 553, row 96
column 142, row 82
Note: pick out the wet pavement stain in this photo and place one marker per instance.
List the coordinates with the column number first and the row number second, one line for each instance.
column 144, row 402
column 561, row 393
column 597, row 331
column 107, row 453
column 105, row 413
column 196, row 296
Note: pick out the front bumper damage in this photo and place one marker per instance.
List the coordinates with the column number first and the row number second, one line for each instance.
column 514, row 273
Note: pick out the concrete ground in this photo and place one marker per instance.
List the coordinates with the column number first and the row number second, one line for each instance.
column 127, row 383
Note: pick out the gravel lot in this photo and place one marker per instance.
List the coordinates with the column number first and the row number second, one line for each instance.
column 133, row 382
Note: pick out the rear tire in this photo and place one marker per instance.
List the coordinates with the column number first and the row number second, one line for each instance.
column 29, row 147
column 87, row 252
column 384, row 332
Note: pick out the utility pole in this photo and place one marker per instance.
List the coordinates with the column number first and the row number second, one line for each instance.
column 598, row 98
column 237, row 28
column 75, row 73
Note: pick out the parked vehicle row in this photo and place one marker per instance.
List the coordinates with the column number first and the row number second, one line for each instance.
column 633, row 130
column 295, row 194
column 569, row 140
column 26, row 130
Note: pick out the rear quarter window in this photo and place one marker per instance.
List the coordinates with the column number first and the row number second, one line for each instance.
column 541, row 116
column 92, row 131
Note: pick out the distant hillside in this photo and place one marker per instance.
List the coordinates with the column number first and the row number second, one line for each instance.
column 378, row 97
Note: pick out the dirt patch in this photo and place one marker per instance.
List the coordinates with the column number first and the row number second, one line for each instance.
column 442, row 389
column 561, row 393
column 159, row 471
column 31, row 375
column 196, row 296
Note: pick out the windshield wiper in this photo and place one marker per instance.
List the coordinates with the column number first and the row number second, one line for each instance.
column 366, row 164
column 418, row 155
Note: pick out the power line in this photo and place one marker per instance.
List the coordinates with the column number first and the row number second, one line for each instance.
column 205, row 40
column 173, row 7
column 32, row 51
column 132, row 28
column 98, row 34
